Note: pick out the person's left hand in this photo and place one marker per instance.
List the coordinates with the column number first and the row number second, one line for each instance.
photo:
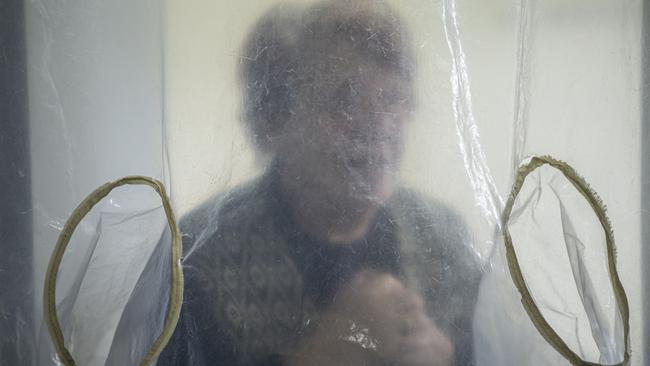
column 396, row 316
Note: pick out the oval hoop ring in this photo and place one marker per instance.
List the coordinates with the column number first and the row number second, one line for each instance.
column 176, row 294
column 515, row 271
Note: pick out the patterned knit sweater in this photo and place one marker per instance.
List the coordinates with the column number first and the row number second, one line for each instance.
column 254, row 283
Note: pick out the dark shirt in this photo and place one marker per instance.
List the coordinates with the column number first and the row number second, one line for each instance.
column 254, row 282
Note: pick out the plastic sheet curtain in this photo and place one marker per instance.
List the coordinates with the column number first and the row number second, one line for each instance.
column 339, row 171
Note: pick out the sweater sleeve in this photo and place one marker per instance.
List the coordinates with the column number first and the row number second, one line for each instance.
column 456, row 294
column 447, row 270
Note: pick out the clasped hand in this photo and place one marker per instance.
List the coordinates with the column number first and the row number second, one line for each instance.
column 393, row 315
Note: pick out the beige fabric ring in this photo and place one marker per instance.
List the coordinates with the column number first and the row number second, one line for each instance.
column 515, row 271
column 176, row 293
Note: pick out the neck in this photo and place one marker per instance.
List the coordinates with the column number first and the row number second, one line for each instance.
column 329, row 215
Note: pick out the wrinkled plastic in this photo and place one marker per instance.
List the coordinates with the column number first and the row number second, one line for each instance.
column 416, row 113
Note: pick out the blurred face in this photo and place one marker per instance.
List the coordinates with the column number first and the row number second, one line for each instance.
column 345, row 140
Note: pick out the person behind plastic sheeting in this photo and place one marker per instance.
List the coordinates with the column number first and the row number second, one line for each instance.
column 325, row 260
